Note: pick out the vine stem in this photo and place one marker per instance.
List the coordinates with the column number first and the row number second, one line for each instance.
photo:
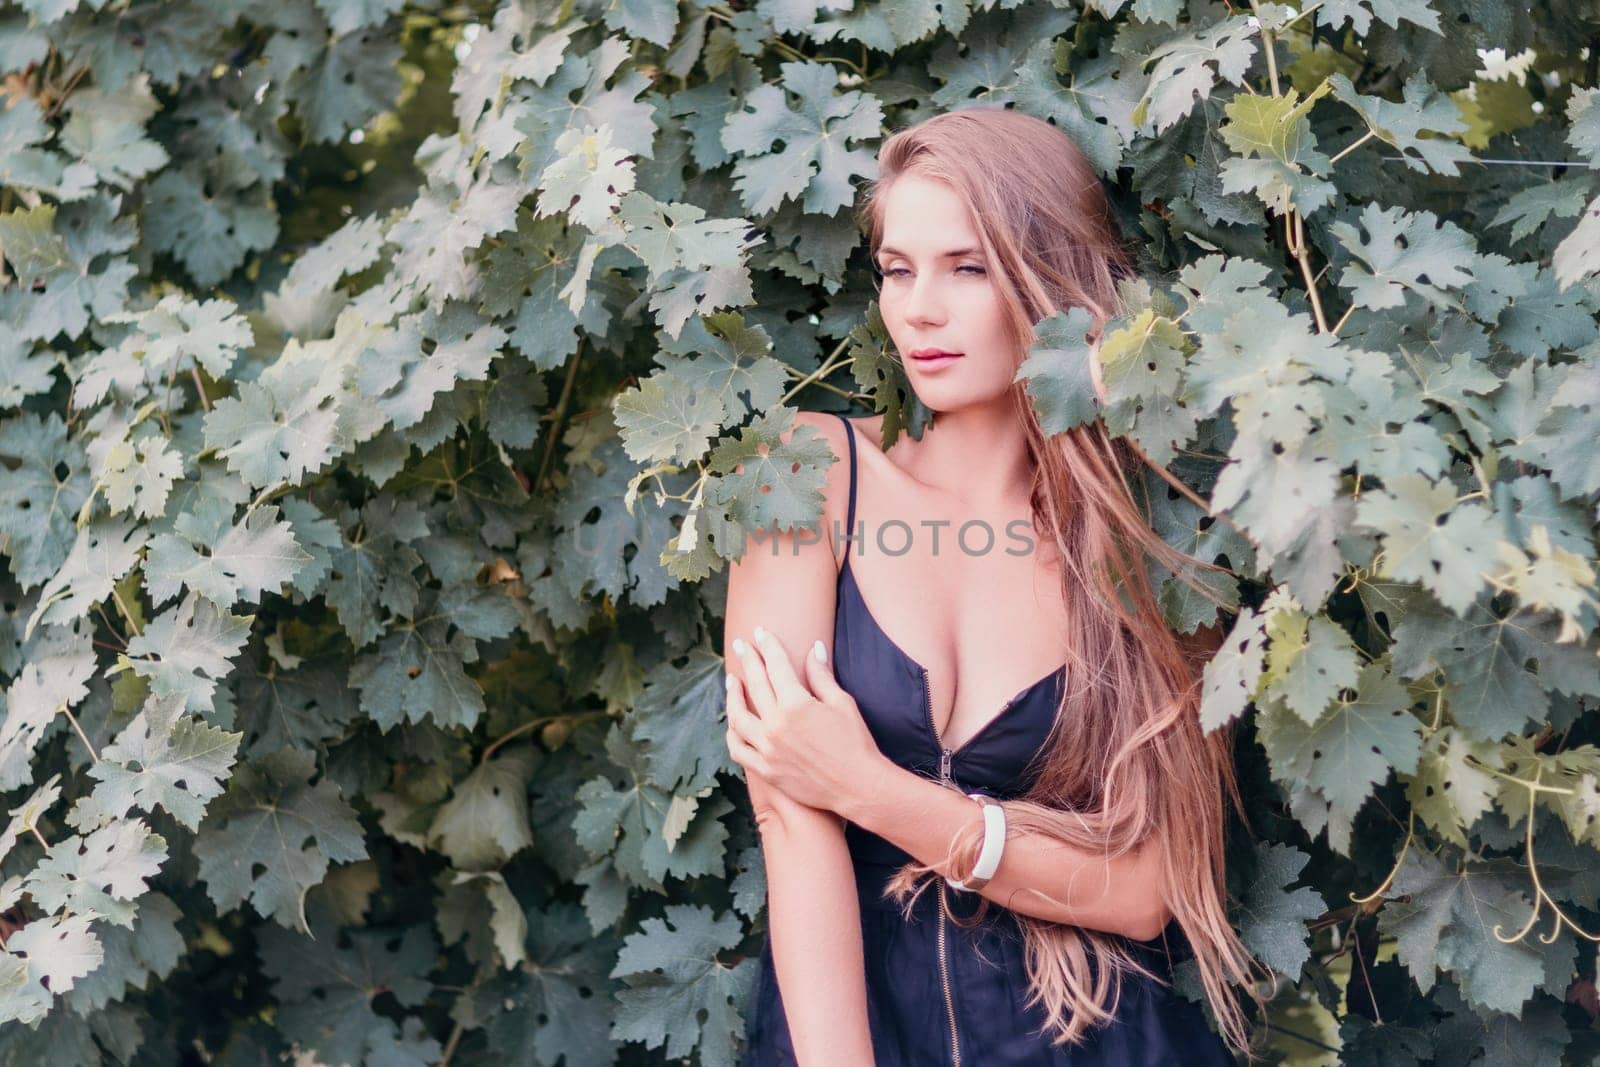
column 67, row 91
column 451, row 1043
column 519, row 731
column 1189, row 494
column 1308, row 9
column 34, row 830
column 831, row 388
column 126, row 614
column 529, row 725
column 786, row 49
column 1342, row 320
column 93, row 755
column 101, row 611
column 1558, row 918
column 1351, row 147
column 205, row 401
column 1297, row 1035
column 1304, row 257
column 557, row 418
column 1411, row 823
column 1533, row 787
column 1272, row 59
column 827, row 368
column 459, row 1030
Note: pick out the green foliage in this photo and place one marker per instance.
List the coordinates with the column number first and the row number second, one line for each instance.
column 384, row 384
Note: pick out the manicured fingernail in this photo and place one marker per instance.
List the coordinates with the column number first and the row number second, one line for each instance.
column 761, row 634
column 739, row 646
column 820, row 652
column 727, row 682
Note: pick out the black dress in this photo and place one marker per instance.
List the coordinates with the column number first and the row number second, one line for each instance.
column 938, row 992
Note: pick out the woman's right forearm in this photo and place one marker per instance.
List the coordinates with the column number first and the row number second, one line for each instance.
column 815, row 922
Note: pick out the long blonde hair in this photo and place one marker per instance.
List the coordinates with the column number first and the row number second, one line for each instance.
column 1126, row 763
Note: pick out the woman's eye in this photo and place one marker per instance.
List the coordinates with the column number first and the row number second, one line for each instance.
column 895, row 272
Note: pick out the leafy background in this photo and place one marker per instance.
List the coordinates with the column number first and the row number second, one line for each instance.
column 384, row 384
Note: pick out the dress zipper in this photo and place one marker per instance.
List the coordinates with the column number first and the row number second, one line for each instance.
column 945, row 757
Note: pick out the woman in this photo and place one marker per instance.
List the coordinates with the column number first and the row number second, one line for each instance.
column 920, row 757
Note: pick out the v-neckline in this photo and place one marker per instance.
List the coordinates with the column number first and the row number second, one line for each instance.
column 938, row 737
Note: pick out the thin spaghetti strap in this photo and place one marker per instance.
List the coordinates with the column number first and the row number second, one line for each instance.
column 850, row 517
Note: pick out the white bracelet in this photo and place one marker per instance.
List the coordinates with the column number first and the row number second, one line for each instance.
column 994, row 843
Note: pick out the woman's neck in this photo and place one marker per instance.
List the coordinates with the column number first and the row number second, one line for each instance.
column 976, row 454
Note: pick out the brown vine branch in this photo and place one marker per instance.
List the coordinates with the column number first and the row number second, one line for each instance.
column 529, row 725
column 553, row 434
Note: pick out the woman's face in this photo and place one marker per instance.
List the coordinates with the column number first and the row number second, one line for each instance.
column 930, row 298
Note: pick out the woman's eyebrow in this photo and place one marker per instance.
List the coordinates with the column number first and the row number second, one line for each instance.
column 952, row 254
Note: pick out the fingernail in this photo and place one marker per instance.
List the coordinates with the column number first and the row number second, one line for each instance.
column 739, row 646
column 727, row 682
column 820, row 652
column 761, row 634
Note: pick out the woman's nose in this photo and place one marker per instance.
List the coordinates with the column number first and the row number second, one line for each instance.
column 924, row 302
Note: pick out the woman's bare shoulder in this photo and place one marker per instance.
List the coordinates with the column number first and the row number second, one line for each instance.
column 836, row 477
column 784, row 580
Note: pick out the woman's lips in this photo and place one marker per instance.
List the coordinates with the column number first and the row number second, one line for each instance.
column 935, row 359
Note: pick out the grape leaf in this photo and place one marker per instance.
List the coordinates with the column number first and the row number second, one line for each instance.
column 816, row 163
column 50, row 681
column 1187, row 67
column 588, row 179
column 1400, row 250
column 99, row 874
column 241, row 560
column 1308, row 662
column 1449, row 923
column 1450, row 791
column 187, row 649
column 43, row 483
column 327, row 991
column 1430, row 539
column 628, row 823
column 1280, row 161
column 760, row 485
column 551, row 1008
column 1360, row 13
column 485, row 821
column 103, row 552
column 667, row 420
column 678, row 723
column 54, row 949
column 272, row 835
column 1423, row 109
column 679, row 992
column 1576, row 257
column 1273, row 917
column 167, row 759
column 131, row 958
column 1059, row 373
column 1348, row 750
column 1232, row 676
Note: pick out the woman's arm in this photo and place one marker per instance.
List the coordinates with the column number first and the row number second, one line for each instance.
column 785, row 582
column 1119, row 896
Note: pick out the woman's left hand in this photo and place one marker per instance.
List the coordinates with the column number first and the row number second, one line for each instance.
column 805, row 737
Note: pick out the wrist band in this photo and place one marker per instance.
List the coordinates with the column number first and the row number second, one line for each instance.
column 994, row 843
